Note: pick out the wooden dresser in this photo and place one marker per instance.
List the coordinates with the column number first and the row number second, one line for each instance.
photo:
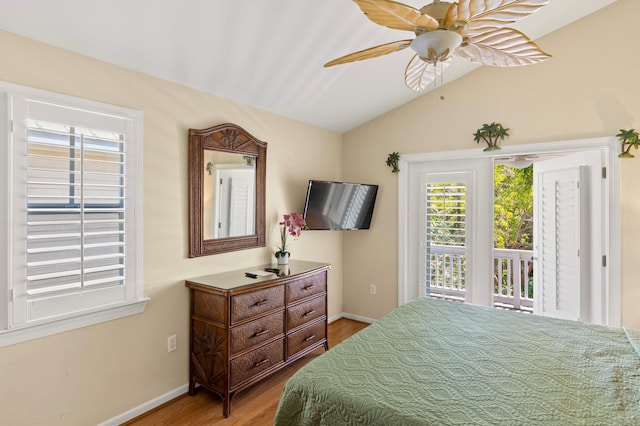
column 245, row 329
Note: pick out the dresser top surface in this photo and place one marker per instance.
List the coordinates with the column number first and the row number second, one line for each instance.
column 234, row 279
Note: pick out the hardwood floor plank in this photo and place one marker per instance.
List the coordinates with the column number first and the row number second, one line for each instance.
column 256, row 405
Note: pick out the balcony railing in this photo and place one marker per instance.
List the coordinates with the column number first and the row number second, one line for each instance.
column 512, row 279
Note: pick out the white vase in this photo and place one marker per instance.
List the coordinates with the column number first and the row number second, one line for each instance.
column 283, row 259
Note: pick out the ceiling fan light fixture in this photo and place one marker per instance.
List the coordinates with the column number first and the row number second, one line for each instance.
column 434, row 46
column 520, row 163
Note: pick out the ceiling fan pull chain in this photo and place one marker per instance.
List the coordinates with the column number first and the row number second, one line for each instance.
column 441, row 81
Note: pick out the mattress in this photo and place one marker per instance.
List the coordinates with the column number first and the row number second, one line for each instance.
column 435, row 362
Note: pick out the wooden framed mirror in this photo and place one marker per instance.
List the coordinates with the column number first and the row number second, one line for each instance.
column 227, row 172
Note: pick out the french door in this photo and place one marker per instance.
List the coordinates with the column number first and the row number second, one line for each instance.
column 449, row 205
column 447, row 250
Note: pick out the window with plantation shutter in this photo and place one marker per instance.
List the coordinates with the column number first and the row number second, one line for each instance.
column 75, row 246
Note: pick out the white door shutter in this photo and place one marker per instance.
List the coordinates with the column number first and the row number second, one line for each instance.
column 234, row 201
column 561, row 278
column 242, row 221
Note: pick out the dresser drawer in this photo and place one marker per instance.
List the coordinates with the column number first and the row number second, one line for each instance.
column 209, row 306
column 306, row 287
column 252, row 334
column 306, row 337
column 248, row 305
column 254, row 363
column 305, row 312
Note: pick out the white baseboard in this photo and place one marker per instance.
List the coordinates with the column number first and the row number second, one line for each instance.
column 158, row 401
column 145, row 407
column 335, row 318
column 351, row 316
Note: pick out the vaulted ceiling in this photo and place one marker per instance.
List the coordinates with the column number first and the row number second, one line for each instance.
column 268, row 54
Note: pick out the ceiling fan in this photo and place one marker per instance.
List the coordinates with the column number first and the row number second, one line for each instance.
column 471, row 29
column 519, row 161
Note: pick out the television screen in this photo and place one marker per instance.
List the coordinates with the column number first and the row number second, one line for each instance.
column 339, row 205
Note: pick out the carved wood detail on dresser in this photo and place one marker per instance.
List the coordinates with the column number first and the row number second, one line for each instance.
column 245, row 329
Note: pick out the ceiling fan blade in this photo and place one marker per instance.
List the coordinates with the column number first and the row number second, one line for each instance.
column 504, row 47
column 419, row 74
column 490, row 13
column 372, row 52
column 396, row 15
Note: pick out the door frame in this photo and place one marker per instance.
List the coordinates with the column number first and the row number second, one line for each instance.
column 611, row 228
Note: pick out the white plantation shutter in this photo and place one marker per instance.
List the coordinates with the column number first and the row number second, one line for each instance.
column 446, row 242
column 445, row 225
column 561, row 244
column 355, row 198
column 72, row 248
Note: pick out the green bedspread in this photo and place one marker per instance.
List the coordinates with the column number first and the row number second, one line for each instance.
column 433, row 362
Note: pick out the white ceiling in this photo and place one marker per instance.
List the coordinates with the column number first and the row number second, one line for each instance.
column 268, row 54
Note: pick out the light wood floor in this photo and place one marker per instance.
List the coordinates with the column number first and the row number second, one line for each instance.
column 253, row 406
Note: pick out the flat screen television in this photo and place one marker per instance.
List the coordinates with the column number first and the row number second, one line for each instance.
column 339, row 205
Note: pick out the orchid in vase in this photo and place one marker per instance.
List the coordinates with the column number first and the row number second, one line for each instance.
column 292, row 224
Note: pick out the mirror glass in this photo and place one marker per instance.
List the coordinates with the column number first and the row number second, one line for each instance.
column 227, row 170
column 229, row 195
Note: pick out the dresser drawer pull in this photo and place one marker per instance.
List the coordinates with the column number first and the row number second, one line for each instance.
column 308, row 287
column 261, row 362
column 260, row 333
column 311, row 312
column 313, row 336
column 260, row 303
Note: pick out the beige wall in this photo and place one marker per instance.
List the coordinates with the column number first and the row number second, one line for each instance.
column 588, row 89
column 89, row 375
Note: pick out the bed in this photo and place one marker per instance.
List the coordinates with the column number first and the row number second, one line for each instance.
column 435, row 362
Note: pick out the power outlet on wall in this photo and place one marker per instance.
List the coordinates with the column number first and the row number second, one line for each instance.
column 171, row 343
column 372, row 289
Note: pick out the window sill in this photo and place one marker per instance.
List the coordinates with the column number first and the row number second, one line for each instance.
column 36, row 331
